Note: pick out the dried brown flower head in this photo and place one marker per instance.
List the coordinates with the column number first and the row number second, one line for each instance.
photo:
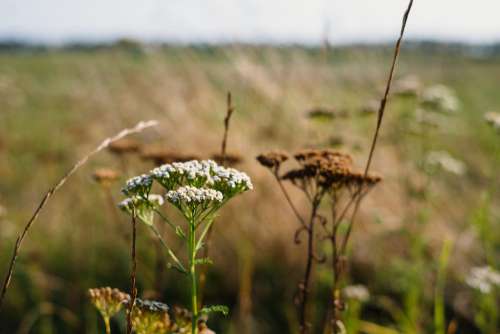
column 230, row 159
column 160, row 155
column 150, row 317
column 123, row 146
column 359, row 178
column 107, row 300
column 322, row 113
column 272, row 159
column 105, row 176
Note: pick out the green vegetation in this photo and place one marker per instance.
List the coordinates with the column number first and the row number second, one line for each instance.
column 439, row 162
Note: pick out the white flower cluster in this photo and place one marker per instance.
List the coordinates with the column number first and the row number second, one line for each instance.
column 138, row 185
column 358, row 292
column 129, row 203
column 493, row 118
column 441, row 97
column 202, row 173
column 142, row 208
column 445, row 161
column 188, row 194
column 483, row 279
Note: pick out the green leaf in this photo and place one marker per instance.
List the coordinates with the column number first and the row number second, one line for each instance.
column 205, row 260
column 215, row 309
column 180, row 232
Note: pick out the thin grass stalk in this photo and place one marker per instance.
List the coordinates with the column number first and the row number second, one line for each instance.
column 15, row 253
column 304, row 288
column 380, row 117
column 133, row 273
column 206, row 250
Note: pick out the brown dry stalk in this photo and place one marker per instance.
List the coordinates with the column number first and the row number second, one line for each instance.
column 138, row 128
column 229, row 113
column 380, row 117
column 206, row 250
column 133, row 289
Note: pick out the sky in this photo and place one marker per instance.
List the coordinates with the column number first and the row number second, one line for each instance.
column 282, row 21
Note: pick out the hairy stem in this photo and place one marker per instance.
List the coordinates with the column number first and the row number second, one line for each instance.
column 133, row 292
column 192, row 275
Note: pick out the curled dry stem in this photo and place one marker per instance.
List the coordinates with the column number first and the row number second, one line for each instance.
column 15, row 253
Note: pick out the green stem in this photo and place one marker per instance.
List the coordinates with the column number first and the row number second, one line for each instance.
column 192, row 274
column 106, row 323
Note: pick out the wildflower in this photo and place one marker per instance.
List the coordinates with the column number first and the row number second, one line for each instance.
column 193, row 201
column 493, row 118
column 105, row 176
column 483, row 279
column 357, row 292
column 143, row 207
column 206, row 173
column 441, row 98
column 150, row 317
column 138, row 185
column 108, row 301
column 409, row 86
column 272, row 159
column 444, row 160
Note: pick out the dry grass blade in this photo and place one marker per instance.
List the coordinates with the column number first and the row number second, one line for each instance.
column 138, row 128
column 230, row 110
column 380, row 117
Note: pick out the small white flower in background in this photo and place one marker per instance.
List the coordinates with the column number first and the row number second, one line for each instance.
column 440, row 97
column 144, row 209
column 483, row 279
column 358, row 292
column 493, row 118
column 189, row 194
column 445, row 161
column 138, row 185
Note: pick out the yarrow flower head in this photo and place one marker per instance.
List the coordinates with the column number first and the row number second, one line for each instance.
column 483, row 279
column 138, row 185
column 143, row 207
column 192, row 201
column 206, row 173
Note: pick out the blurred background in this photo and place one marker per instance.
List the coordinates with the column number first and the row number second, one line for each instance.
column 302, row 75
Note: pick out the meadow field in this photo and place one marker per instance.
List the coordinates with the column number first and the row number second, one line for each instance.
column 425, row 251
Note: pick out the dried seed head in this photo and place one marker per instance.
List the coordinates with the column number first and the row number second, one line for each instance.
column 123, row 146
column 150, row 317
column 105, row 176
column 272, row 159
column 230, row 159
column 108, row 301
